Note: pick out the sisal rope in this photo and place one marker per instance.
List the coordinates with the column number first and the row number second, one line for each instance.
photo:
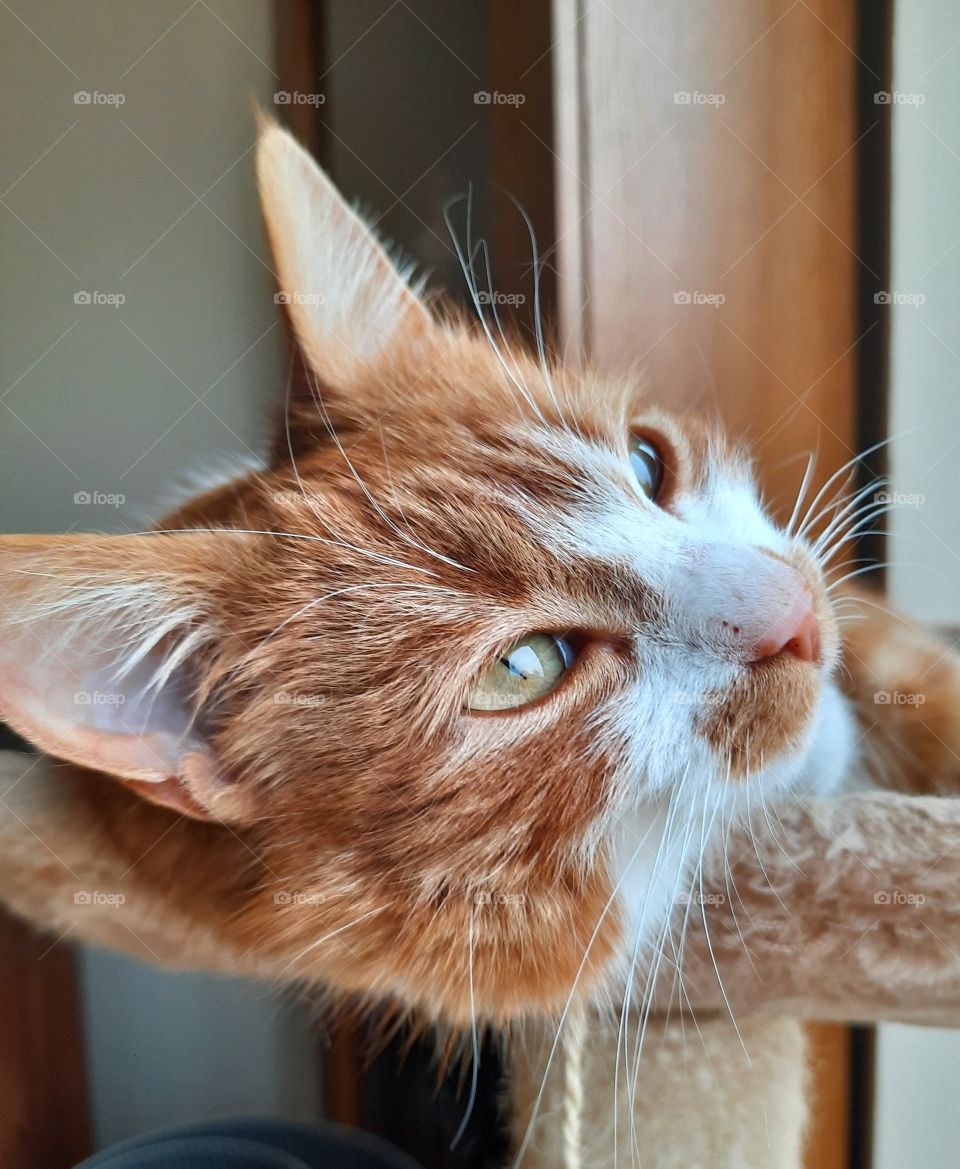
column 574, row 1044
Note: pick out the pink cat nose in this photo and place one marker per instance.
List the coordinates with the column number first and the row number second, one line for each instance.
column 796, row 634
column 746, row 605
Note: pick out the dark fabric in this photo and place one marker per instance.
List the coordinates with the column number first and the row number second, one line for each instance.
column 251, row 1144
column 199, row 1152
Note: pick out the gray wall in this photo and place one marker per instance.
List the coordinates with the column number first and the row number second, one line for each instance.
column 103, row 398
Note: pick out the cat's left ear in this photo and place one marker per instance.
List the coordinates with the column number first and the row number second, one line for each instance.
column 348, row 305
column 103, row 641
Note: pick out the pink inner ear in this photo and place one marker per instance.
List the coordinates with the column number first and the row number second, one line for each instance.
column 347, row 302
column 71, row 704
column 70, row 723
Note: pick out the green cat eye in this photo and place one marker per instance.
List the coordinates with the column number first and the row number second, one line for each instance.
column 647, row 465
column 524, row 672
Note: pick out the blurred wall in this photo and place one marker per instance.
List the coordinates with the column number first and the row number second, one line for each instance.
column 917, row 1121
column 142, row 199
column 925, row 323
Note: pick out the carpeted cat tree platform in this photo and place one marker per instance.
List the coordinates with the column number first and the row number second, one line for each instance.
column 849, row 913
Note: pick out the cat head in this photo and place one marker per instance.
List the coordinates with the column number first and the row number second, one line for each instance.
column 482, row 634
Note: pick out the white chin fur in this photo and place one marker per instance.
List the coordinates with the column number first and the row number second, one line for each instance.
column 656, row 865
column 832, row 762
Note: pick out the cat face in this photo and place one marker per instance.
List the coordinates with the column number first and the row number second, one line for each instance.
column 483, row 642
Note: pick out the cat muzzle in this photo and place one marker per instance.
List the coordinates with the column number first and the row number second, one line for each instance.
column 748, row 605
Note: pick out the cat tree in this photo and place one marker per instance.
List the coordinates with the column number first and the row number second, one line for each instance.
column 849, row 914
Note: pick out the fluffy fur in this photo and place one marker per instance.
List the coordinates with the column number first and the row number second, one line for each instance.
column 286, row 661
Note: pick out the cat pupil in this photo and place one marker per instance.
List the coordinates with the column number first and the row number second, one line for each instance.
column 523, row 662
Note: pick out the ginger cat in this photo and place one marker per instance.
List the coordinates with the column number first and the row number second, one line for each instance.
column 448, row 702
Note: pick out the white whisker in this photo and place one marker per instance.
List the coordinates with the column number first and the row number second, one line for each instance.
column 475, row 1045
column 368, row 495
column 330, row 936
column 802, row 492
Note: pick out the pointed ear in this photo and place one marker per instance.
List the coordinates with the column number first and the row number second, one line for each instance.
column 346, row 302
column 101, row 644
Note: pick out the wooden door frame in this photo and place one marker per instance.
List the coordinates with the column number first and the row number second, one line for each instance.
column 44, row 1110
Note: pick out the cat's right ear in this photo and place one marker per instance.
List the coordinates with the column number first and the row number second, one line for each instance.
column 348, row 305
